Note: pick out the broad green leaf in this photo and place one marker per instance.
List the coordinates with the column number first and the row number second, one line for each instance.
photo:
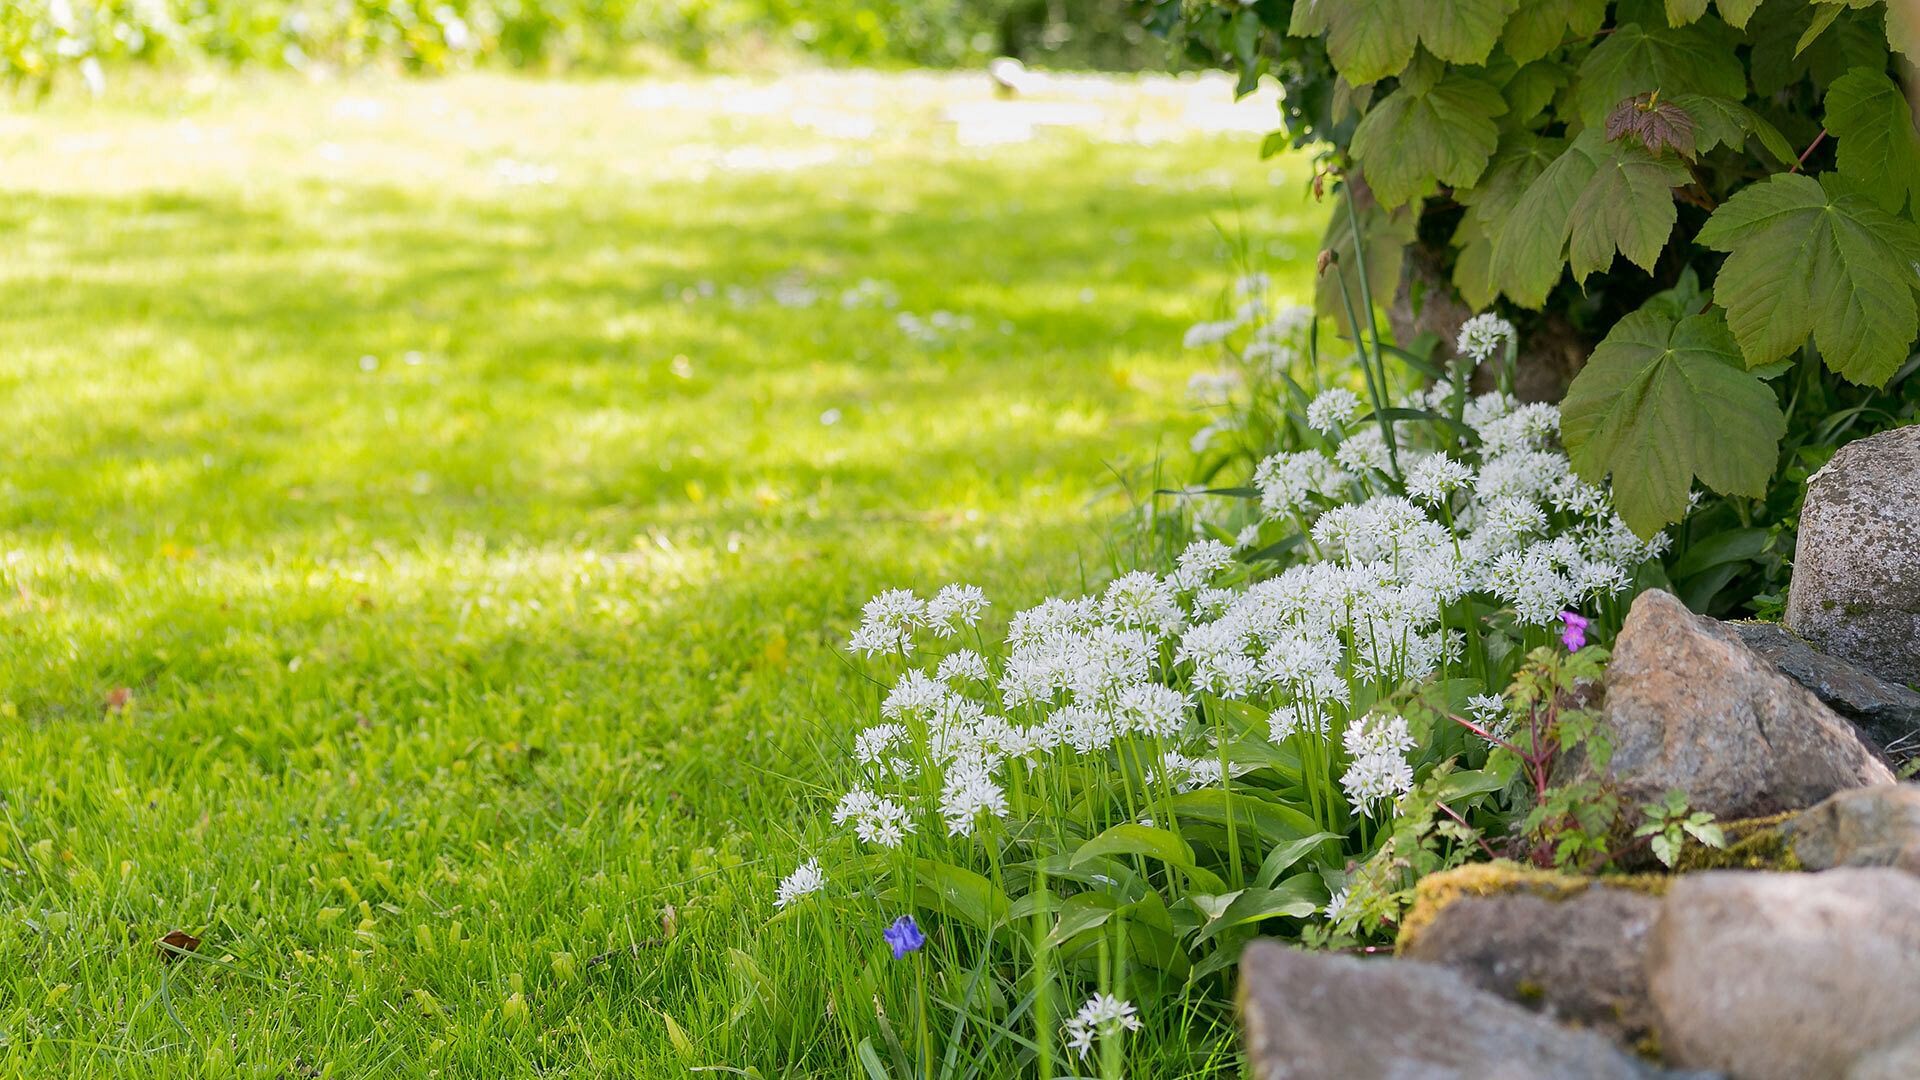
column 1540, row 26
column 1732, row 545
column 1662, row 401
column 1870, row 117
column 1387, row 234
column 1282, row 858
column 1595, row 198
column 1519, row 160
column 1823, row 17
column 1271, row 821
column 1417, row 135
column 1682, row 12
column 1531, row 90
column 1081, row 912
column 1133, row 839
column 1821, row 258
column 1694, row 59
column 1736, row 12
column 960, row 892
column 1718, row 121
column 1297, row 897
column 1369, row 40
column 1627, row 206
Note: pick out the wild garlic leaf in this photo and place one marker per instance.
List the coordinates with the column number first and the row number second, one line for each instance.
column 1596, row 198
column 1871, row 119
column 1373, row 39
column 1662, row 401
column 1818, row 257
column 1422, row 133
column 1694, row 59
column 1540, row 26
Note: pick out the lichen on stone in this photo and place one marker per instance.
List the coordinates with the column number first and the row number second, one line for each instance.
column 1503, row 876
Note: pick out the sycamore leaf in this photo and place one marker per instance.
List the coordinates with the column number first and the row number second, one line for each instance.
column 1817, row 257
column 1373, row 39
column 1531, row 90
column 1736, row 12
column 1718, row 121
column 1870, row 117
column 1422, row 133
column 1662, row 401
column 1654, row 124
column 1694, row 59
column 1596, row 198
column 1540, row 26
column 1901, row 20
column 1682, row 12
column 1519, row 160
column 1387, row 235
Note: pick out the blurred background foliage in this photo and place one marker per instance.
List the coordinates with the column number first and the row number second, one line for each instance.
column 45, row 41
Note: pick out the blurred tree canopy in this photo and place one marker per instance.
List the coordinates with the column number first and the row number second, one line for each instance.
column 43, row 40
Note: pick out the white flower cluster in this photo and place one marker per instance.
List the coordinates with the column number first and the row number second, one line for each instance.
column 1102, row 1017
column 1481, row 335
column 805, row 880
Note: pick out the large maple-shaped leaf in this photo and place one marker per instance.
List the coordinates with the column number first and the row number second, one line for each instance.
column 1521, row 158
column 1694, row 59
column 1427, row 131
column 1817, row 257
column 1718, row 121
column 1372, row 39
column 1596, row 198
column 1540, row 26
column 1663, row 400
column 1878, row 148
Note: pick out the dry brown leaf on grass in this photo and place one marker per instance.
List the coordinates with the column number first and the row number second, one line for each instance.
column 174, row 944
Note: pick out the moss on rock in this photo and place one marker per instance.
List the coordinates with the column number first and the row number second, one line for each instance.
column 1752, row 844
column 1502, row 876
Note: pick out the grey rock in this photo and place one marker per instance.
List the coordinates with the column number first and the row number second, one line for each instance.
column 1788, row 976
column 1856, row 564
column 1321, row 1016
column 1876, row 826
column 1579, row 960
column 1689, row 706
column 1885, row 713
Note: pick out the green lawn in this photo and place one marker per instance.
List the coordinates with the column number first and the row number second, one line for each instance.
column 430, row 512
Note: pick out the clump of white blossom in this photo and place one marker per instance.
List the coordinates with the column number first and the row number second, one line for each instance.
column 805, row 880
column 1367, row 603
column 1102, row 1017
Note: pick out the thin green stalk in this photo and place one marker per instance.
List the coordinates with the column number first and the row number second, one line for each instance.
column 1373, row 325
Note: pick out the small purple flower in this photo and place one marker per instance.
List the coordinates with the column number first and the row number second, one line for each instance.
column 905, row 936
column 1574, row 637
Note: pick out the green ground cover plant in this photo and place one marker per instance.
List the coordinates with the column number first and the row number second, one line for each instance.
column 433, row 511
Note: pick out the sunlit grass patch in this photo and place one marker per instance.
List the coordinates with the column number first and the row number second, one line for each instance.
column 430, row 512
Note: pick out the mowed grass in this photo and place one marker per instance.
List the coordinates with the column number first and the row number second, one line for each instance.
column 430, row 513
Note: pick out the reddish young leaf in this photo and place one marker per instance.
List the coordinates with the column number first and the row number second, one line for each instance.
column 1655, row 124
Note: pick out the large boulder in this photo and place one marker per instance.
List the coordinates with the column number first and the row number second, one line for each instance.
column 1690, row 706
column 1885, row 713
column 1856, row 565
column 1876, row 826
column 1788, row 976
column 1322, row 1016
column 1577, row 959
